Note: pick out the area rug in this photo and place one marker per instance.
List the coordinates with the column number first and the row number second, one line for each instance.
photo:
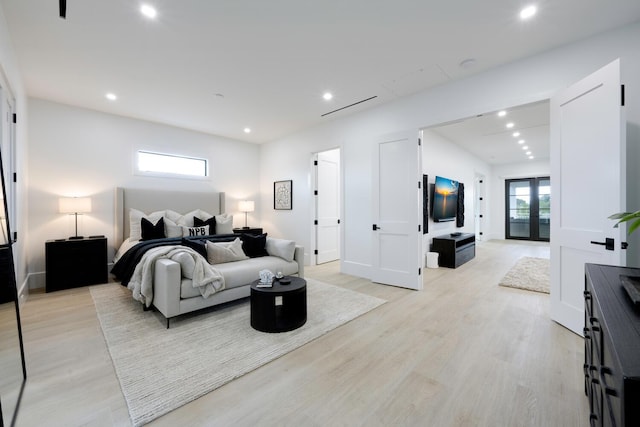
column 529, row 273
column 162, row 369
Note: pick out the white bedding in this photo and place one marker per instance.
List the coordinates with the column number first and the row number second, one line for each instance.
column 126, row 245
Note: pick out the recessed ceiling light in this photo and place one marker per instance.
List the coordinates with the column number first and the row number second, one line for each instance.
column 327, row 96
column 111, row 96
column 247, row 130
column 510, row 125
column 502, row 113
column 531, row 157
column 148, row 11
column 528, row 12
column 521, row 141
column 528, row 153
column 524, row 147
column 516, row 134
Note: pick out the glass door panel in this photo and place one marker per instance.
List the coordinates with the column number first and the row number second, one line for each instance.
column 528, row 208
column 544, row 208
column 519, row 209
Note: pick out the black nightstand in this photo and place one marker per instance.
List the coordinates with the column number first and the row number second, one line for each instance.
column 250, row 230
column 71, row 263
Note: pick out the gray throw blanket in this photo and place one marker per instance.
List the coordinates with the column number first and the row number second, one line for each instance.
column 205, row 277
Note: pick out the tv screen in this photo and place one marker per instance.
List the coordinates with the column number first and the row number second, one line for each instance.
column 445, row 199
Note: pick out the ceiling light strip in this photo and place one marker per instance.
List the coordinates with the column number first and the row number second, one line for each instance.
column 350, row 105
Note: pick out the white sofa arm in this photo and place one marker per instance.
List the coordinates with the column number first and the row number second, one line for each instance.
column 298, row 256
column 166, row 293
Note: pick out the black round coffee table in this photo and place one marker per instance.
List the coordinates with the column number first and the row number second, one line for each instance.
column 281, row 308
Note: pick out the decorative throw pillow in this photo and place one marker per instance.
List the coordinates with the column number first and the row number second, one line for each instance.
column 254, row 245
column 187, row 219
column 171, row 229
column 187, row 264
column 202, row 230
column 284, row 249
column 224, row 224
column 196, row 245
column 218, row 253
column 151, row 231
column 135, row 227
column 211, row 222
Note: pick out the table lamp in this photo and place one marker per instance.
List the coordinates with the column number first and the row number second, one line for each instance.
column 75, row 206
column 246, row 206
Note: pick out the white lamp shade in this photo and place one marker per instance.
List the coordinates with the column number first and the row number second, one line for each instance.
column 246, row 206
column 74, row 205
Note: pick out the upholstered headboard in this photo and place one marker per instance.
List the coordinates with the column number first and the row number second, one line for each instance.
column 156, row 200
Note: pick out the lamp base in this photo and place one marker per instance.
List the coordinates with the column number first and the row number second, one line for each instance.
column 76, row 238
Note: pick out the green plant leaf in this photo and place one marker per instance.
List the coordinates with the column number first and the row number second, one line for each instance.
column 634, row 226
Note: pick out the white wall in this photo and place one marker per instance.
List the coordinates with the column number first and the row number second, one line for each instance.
column 443, row 158
column 498, row 176
column 10, row 76
column 528, row 80
column 79, row 152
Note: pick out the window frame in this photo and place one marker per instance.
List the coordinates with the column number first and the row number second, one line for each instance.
column 160, row 174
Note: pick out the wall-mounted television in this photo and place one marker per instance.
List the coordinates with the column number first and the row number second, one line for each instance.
column 445, row 199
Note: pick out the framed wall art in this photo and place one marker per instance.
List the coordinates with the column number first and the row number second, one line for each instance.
column 282, row 195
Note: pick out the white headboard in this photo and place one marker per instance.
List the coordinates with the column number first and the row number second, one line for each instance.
column 156, row 200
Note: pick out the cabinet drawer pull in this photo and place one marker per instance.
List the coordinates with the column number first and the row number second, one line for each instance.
column 587, row 295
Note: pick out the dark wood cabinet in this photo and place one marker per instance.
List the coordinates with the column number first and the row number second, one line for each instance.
column 71, row 263
column 612, row 347
column 454, row 249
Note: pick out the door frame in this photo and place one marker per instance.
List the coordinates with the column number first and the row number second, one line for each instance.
column 534, row 226
column 313, row 259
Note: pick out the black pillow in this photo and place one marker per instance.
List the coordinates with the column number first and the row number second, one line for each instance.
column 150, row 231
column 211, row 222
column 196, row 245
column 254, row 245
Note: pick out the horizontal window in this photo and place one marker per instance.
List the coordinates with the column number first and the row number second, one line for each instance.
column 171, row 164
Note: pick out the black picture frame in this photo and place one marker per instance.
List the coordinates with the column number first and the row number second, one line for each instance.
column 283, row 195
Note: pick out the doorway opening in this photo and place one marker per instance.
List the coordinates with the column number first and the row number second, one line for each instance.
column 528, row 208
column 327, row 191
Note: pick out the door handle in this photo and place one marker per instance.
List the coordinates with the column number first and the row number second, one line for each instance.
column 608, row 244
column 375, row 227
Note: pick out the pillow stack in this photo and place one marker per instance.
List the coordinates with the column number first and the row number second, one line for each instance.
column 167, row 223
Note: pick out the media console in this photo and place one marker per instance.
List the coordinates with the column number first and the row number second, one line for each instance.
column 454, row 249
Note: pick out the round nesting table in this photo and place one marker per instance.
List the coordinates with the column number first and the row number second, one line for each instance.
column 280, row 308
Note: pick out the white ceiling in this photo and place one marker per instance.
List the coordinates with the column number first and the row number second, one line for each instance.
column 488, row 137
column 272, row 60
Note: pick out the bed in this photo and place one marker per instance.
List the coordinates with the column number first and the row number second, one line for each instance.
column 170, row 285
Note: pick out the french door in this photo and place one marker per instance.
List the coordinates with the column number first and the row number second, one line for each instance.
column 528, row 208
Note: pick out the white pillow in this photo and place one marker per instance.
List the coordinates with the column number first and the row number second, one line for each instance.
column 284, row 249
column 135, row 217
column 187, row 264
column 224, row 224
column 202, row 230
column 171, row 229
column 221, row 252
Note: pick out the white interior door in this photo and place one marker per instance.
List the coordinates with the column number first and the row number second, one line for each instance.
column 588, row 184
column 328, row 206
column 397, row 211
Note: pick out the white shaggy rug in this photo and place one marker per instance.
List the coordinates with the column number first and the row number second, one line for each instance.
column 529, row 273
column 162, row 369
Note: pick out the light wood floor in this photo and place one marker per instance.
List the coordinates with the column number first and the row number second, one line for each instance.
column 463, row 352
